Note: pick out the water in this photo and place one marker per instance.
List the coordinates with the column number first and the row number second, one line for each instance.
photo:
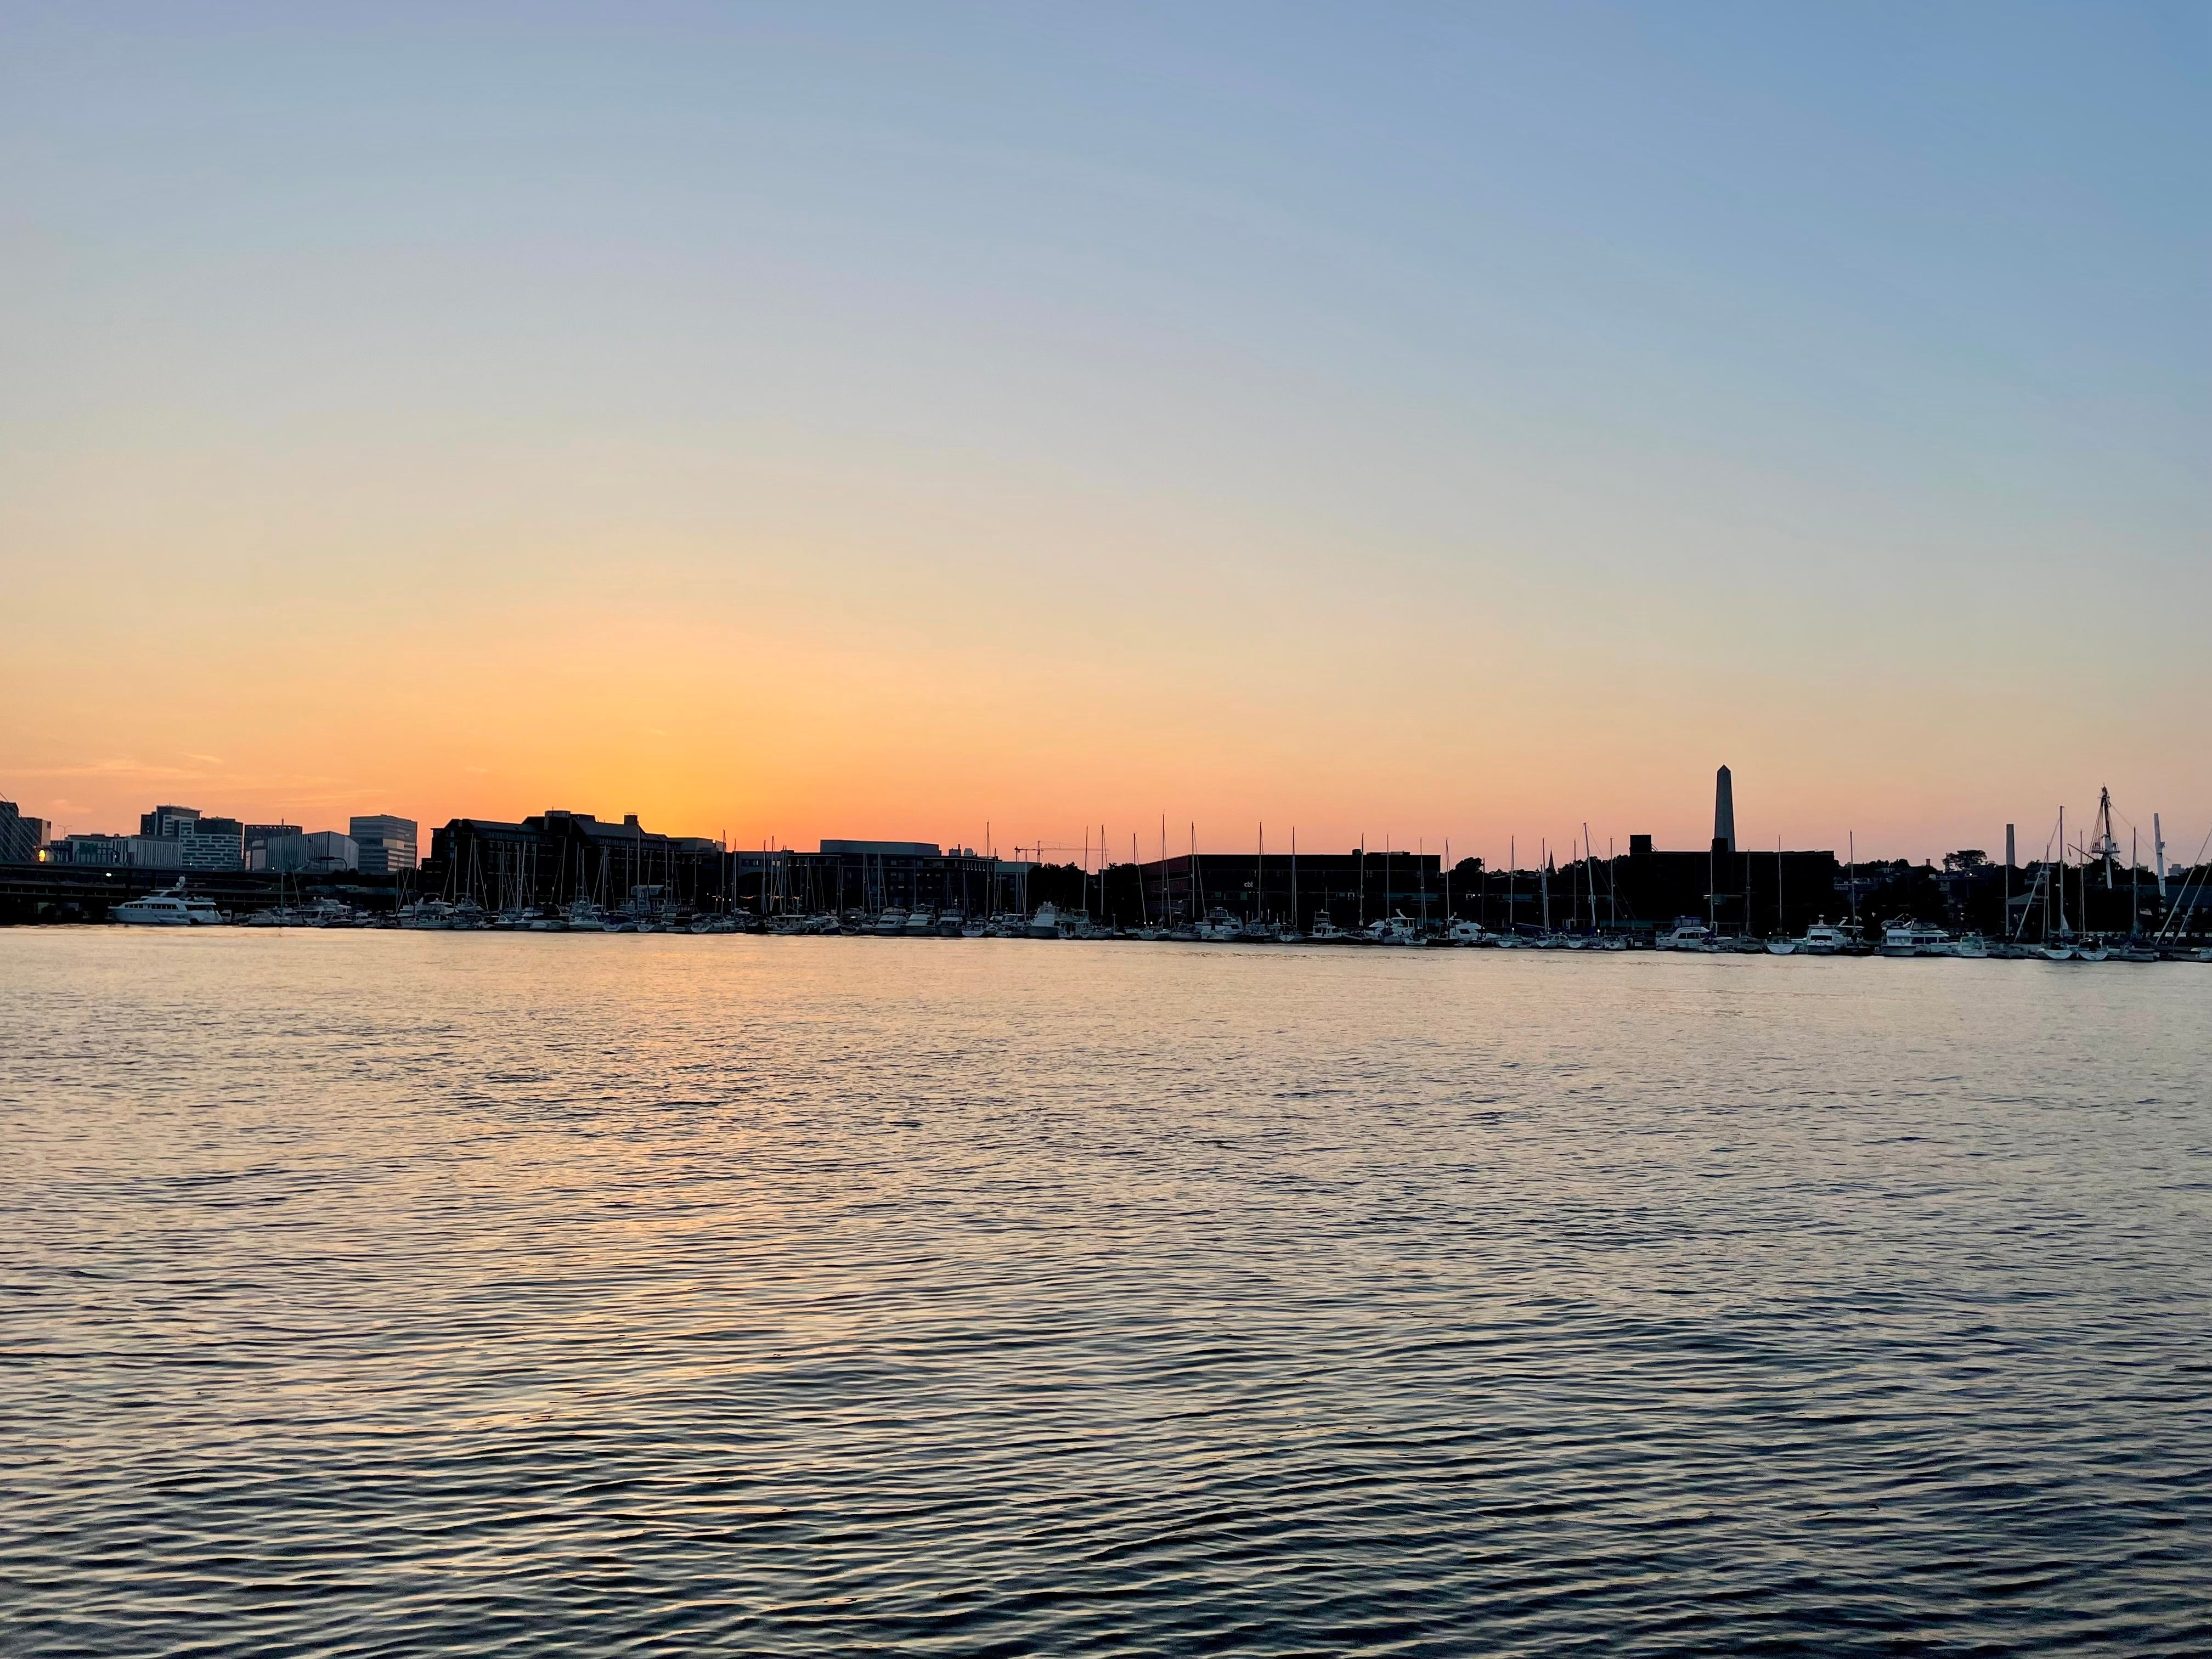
column 377, row 1293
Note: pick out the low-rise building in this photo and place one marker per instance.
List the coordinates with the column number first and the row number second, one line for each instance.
column 319, row 852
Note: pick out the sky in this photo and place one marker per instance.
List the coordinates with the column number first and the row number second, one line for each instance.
column 1460, row 421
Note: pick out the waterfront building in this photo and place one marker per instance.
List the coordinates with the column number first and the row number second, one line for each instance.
column 21, row 837
column 212, row 844
column 184, row 838
column 321, row 852
column 257, row 836
column 88, row 849
column 385, row 843
column 154, row 852
column 558, row 856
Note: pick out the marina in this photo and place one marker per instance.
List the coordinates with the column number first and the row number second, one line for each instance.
column 564, row 871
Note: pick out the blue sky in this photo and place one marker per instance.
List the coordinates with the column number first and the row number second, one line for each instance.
column 1615, row 390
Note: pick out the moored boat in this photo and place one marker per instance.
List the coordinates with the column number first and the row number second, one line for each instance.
column 172, row 907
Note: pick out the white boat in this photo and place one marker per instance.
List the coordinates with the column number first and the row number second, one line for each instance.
column 1828, row 938
column 1463, row 932
column 1259, row 932
column 2092, row 950
column 1220, row 927
column 426, row 916
column 1970, row 944
column 1687, row 935
column 1045, row 924
column 174, row 907
column 890, row 924
column 1907, row 937
column 1783, row 947
column 1326, row 932
column 586, row 917
column 920, row 924
column 1394, row 930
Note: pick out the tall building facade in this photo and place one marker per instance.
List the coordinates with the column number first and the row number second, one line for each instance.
column 20, row 838
column 386, row 844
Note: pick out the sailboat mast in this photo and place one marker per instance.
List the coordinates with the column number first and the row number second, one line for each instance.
column 1589, row 874
column 2062, row 872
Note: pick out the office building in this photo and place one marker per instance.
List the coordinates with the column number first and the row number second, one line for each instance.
column 166, row 820
column 20, row 838
column 386, row 844
column 318, row 853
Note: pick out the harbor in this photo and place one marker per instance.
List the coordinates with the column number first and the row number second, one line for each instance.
column 2082, row 899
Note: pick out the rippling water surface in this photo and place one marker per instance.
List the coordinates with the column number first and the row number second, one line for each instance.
column 379, row 1293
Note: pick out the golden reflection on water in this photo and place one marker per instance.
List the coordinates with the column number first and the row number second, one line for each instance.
column 803, row 1293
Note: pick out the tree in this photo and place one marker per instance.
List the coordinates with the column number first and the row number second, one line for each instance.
column 1966, row 858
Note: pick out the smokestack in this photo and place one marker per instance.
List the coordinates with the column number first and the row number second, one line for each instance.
column 2009, row 857
column 1723, row 811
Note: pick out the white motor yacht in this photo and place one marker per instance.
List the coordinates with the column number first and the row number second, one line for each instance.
column 1325, row 930
column 1394, row 930
column 1463, row 932
column 1688, row 935
column 1824, row 939
column 1907, row 937
column 1045, row 924
column 1220, row 927
column 174, row 907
